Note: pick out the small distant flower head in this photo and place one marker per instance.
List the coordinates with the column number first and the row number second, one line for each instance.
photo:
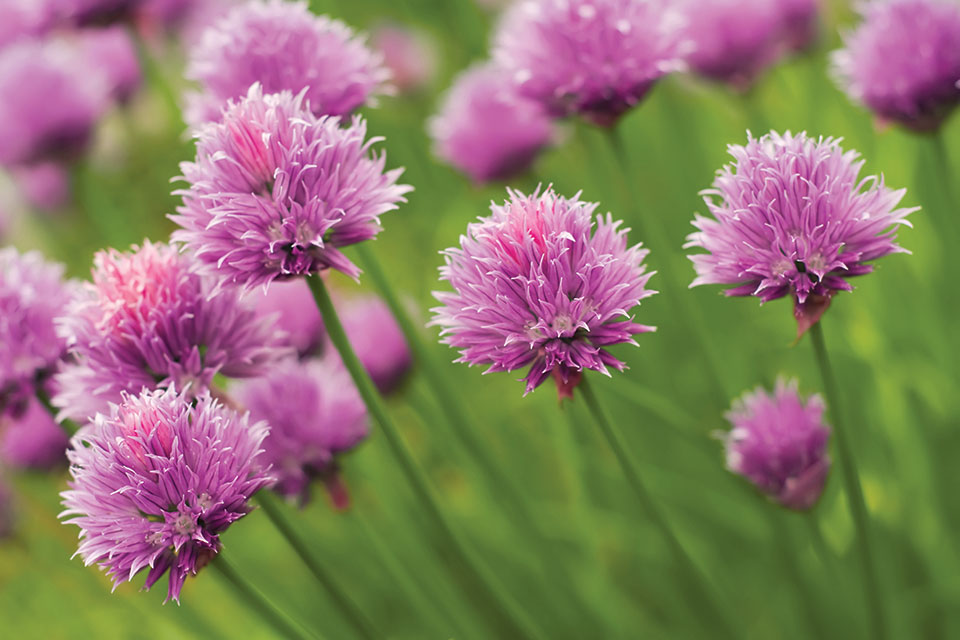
column 292, row 307
column 801, row 23
column 44, row 186
column 149, row 320
column 31, row 439
column 157, row 480
column 540, row 284
column 111, row 54
column 779, row 443
column 315, row 413
column 275, row 190
column 792, row 217
column 903, row 61
column 596, row 58
column 284, row 47
column 487, row 129
column 377, row 340
column 410, row 58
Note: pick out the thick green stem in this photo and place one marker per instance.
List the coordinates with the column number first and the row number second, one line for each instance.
column 511, row 616
column 851, row 478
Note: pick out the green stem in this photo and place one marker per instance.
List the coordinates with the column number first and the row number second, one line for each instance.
column 512, row 616
column 696, row 579
column 344, row 604
column 820, row 548
column 256, row 600
column 858, row 507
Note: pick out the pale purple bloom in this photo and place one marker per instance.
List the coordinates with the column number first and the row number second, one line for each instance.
column 801, row 23
column 291, row 306
column 377, row 340
column 111, row 54
column 903, row 61
column 408, row 55
column 275, row 190
column 779, row 443
column 596, row 58
column 487, row 129
column 792, row 217
column 157, row 480
column 315, row 413
column 149, row 320
column 44, row 186
column 284, row 47
column 539, row 284
column 32, row 439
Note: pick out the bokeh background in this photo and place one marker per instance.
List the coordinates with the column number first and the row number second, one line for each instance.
column 894, row 342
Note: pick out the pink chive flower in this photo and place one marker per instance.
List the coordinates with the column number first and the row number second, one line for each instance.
column 779, row 443
column 486, row 129
column 377, row 340
column 539, row 284
column 157, row 480
column 291, row 306
column 801, row 23
column 596, row 58
column 408, row 55
column 903, row 61
column 24, row 19
column 32, row 294
column 284, row 47
column 315, row 414
column 111, row 54
column 148, row 320
column 45, row 186
column 274, row 191
column 32, row 439
column 792, row 217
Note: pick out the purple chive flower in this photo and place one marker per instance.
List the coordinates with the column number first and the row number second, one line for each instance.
column 275, row 190
column 284, row 47
column 157, row 480
column 596, row 58
column 292, row 307
column 377, row 340
column 903, row 61
column 45, row 186
column 32, row 294
column 792, row 217
column 800, row 23
column 32, row 439
column 23, row 19
column 111, row 53
column 538, row 284
column 486, row 129
column 779, row 443
column 408, row 55
column 7, row 516
column 315, row 414
column 149, row 320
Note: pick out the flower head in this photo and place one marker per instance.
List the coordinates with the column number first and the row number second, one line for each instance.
column 410, row 57
column 903, row 61
column 538, row 284
column 112, row 54
column 596, row 58
column 284, row 47
column 315, row 413
column 486, row 129
column 275, row 190
column 149, row 320
column 157, row 480
column 792, row 216
column 293, row 309
column 44, row 186
column 779, row 443
column 31, row 439
column 377, row 340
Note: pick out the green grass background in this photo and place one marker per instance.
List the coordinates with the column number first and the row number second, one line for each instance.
column 894, row 342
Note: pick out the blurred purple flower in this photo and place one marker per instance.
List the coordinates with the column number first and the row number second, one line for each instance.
column 87, row 13
column 23, row 19
column 149, row 320
column 408, row 55
column 275, row 190
column 45, row 186
column 596, row 58
column 32, row 439
column 779, row 443
column 377, row 340
column 284, row 47
column 315, row 413
column 903, row 61
column 112, row 54
column 536, row 284
column 793, row 217
column 157, row 480
column 486, row 129
column 800, row 23
column 294, row 311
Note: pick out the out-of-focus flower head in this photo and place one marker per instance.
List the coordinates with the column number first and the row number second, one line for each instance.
column 801, row 23
column 284, row 47
column 487, row 129
column 32, row 439
column 111, row 54
column 377, row 340
column 293, row 309
column 792, row 217
column 89, row 13
column 409, row 55
column 24, row 19
column 779, row 443
column 903, row 61
column 275, row 191
column 44, row 186
column 539, row 284
column 157, row 480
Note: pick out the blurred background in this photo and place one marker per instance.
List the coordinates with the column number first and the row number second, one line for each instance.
column 894, row 342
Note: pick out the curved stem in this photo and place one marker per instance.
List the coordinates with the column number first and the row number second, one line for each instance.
column 851, row 478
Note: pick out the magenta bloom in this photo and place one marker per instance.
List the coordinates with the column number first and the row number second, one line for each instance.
column 284, row 47
column 538, row 284
column 596, row 58
column 157, row 480
column 779, row 443
column 486, row 129
column 408, row 55
column 903, row 61
column 275, row 190
column 45, row 186
column 32, row 294
column 793, row 217
column 111, row 53
column 377, row 340
column 315, row 413
column 292, row 308
column 32, row 440
column 149, row 320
